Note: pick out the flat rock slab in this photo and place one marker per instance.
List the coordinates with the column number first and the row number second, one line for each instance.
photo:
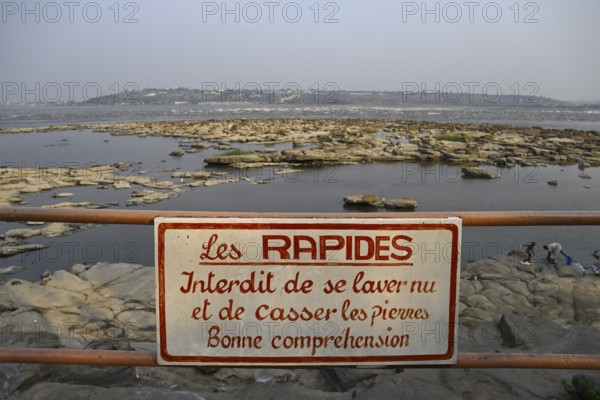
column 401, row 203
column 492, row 288
column 49, row 391
column 528, row 332
column 369, row 200
column 101, row 302
column 485, row 172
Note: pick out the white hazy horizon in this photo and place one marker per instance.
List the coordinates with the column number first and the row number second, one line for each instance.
column 544, row 48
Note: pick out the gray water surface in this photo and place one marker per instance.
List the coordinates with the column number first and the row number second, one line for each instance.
column 560, row 117
column 436, row 187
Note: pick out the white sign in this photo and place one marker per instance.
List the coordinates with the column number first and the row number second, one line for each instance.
column 307, row 291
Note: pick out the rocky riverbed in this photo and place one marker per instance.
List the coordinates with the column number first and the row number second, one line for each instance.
column 112, row 305
column 480, row 149
column 15, row 182
column 337, row 141
column 504, row 307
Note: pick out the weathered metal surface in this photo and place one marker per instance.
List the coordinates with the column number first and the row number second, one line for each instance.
column 146, row 217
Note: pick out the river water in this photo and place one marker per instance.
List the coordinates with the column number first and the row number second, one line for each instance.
column 573, row 117
column 436, row 187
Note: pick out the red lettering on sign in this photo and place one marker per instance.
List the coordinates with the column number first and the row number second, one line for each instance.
column 324, row 247
column 312, row 249
column 284, row 254
column 222, row 250
column 232, row 341
column 328, row 247
column 406, row 249
column 370, row 247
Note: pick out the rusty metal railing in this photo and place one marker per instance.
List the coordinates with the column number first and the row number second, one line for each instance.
column 146, row 217
column 148, row 359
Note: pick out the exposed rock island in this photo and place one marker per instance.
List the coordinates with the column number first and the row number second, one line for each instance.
column 336, row 141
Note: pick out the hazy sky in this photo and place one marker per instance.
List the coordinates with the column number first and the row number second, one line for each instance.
column 547, row 47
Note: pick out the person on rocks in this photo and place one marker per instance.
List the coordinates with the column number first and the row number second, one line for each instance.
column 553, row 250
column 596, row 268
column 529, row 249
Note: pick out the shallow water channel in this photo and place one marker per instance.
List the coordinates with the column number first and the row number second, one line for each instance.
column 436, row 187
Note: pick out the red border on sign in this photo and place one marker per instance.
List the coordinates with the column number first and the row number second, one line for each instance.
column 164, row 226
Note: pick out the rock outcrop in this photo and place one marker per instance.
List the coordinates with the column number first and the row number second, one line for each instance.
column 370, row 200
column 485, row 172
column 401, row 203
column 355, row 141
column 505, row 306
column 17, row 181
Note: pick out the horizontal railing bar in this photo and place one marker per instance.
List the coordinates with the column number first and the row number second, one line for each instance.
column 146, row 217
column 19, row 355
column 531, row 360
column 148, row 359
